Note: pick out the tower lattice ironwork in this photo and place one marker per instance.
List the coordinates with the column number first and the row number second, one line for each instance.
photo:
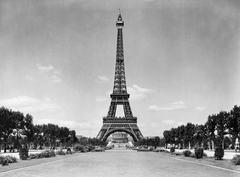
column 119, row 96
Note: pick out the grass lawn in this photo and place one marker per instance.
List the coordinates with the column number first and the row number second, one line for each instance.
column 32, row 162
column 225, row 163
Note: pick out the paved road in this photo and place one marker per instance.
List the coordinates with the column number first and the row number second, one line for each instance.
column 120, row 164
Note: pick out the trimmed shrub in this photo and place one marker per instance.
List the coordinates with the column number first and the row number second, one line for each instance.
column 78, row 148
column 236, row 160
column 44, row 154
column 187, row 153
column 11, row 159
column 90, row 148
column 47, row 154
column 33, row 156
column 81, row 148
column 172, row 149
column 3, row 161
column 219, row 153
column 23, row 153
column 60, row 152
column 69, row 151
column 199, row 153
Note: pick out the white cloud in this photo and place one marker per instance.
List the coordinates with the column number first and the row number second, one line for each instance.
column 102, row 79
column 47, row 68
column 173, row 106
column 200, row 108
column 154, row 108
column 172, row 122
column 53, row 73
column 28, row 104
column 55, row 77
column 136, row 92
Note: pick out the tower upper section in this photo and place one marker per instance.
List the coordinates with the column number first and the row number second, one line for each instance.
column 120, row 22
column 119, row 87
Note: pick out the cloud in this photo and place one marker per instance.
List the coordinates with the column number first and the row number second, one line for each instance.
column 102, row 79
column 172, row 122
column 173, row 106
column 200, row 108
column 138, row 93
column 154, row 108
column 55, row 77
column 28, row 104
column 47, row 68
column 53, row 73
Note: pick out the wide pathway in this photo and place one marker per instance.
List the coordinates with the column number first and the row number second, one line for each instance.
column 120, row 163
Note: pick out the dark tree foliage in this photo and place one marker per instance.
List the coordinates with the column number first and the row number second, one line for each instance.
column 17, row 130
column 149, row 141
column 221, row 129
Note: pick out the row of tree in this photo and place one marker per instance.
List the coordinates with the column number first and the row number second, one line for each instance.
column 150, row 141
column 85, row 141
column 221, row 129
column 17, row 129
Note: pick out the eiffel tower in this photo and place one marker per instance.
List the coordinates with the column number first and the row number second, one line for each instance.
column 111, row 123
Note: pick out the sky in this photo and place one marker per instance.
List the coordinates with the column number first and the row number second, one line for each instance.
column 57, row 60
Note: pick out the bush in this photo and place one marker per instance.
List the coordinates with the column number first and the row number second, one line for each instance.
column 81, row 148
column 236, row 160
column 47, row 154
column 219, row 153
column 60, row 152
column 172, row 149
column 5, row 160
column 11, row 159
column 199, row 153
column 90, row 148
column 44, row 154
column 69, row 151
column 187, row 153
column 34, row 156
column 23, row 153
column 78, row 148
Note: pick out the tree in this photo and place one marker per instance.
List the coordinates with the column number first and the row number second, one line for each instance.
column 221, row 121
column 167, row 137
column 233, row 123
column 211, row 126
column 188, row 134
column 200, row 135
column 156, row 141
column 7, row 125
column 29, row 129
column 18, row 119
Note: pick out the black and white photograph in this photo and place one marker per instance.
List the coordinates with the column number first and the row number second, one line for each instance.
column 119, row 88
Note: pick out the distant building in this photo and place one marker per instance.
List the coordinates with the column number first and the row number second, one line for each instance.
column 119, row 137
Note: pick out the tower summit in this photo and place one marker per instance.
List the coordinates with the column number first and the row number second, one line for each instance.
column 119, row 96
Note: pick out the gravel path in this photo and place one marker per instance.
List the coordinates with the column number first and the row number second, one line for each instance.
column 123, row 163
